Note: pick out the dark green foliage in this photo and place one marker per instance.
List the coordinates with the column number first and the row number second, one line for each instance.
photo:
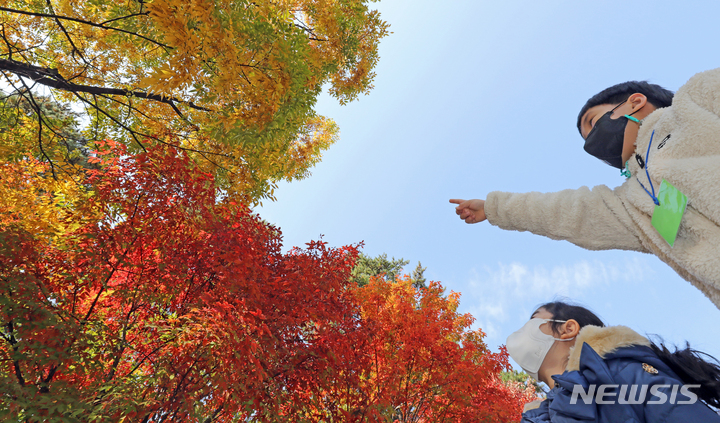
column 418, row 277
column 368, row 267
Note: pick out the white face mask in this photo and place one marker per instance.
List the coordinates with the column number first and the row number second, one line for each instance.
column 528, row 346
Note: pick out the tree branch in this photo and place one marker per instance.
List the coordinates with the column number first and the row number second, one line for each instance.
column 52, row 78
column 67, row 35
column 68, row 18
column 124, row 17
column 214, row 415
column 13, row 343
column 38, row 111
column 135, row 134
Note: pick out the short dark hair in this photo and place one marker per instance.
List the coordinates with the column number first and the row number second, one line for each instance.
column 561, row 310
column 656, row 95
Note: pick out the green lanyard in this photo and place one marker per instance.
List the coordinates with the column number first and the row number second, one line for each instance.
column 670, row 204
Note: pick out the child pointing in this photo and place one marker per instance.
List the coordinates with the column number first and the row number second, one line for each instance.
column 669, row 148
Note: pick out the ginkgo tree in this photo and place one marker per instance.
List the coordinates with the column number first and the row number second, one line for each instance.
column 232, row 83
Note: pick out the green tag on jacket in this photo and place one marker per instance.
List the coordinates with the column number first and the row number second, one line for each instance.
column 667, row 216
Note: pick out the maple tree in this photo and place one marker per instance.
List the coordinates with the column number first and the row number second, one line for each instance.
column 150, row 301
column 147, row 299
column 232, row 83
column 425, row 364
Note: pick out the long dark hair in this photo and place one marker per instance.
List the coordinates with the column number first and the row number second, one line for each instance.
column 691, row 366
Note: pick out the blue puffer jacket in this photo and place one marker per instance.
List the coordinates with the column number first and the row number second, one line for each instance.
column 621, row 360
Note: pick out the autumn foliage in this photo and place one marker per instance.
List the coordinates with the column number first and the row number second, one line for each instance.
column 157, row 302
column 424, row 362
column 231, row 82
column 139, row 294
column 136, row 285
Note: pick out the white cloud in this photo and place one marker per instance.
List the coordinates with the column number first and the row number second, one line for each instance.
column 508, row 293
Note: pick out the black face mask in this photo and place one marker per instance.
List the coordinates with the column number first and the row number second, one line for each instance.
column 605, row 140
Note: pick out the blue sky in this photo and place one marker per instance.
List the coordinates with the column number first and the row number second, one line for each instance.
column 477, row 96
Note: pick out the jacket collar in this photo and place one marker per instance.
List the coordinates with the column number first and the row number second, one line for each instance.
column 604, row 341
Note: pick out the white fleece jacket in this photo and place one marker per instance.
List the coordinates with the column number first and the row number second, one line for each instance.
column 602, row 218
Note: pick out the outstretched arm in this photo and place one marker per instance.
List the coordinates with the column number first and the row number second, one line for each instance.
column 594, row 219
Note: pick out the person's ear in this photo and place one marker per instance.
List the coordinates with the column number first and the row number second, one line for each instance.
column 637, row 101
column 571, row 329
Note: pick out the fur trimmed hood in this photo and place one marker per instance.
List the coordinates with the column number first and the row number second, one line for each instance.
column 604, row 340
column 614, row 356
